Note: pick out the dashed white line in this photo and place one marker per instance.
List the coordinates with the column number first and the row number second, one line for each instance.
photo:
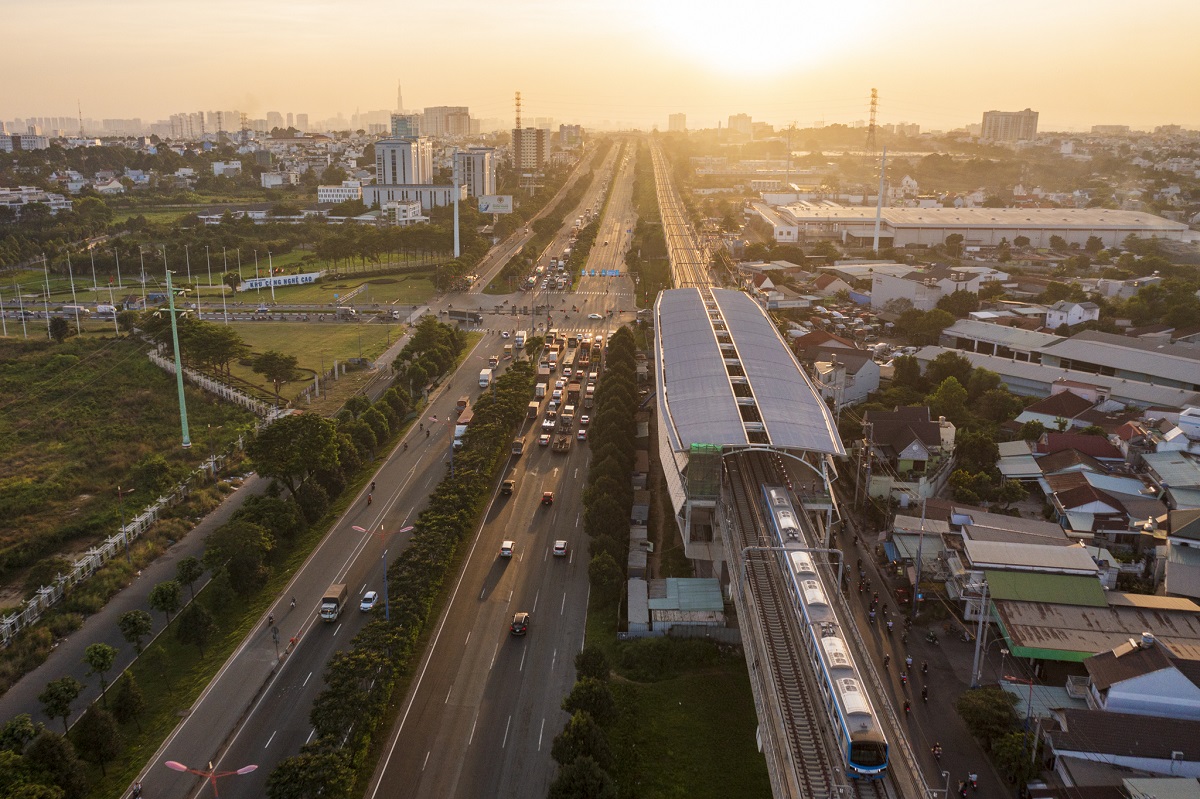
column 553, row 660
column 540, row 733
column 535, row 600
column 507, row 724
column 564, row 604
column 425, row 762
column 522, row 666
column 495, row 652
column 337, row 629
column 306, row 679
column 468, row 638
column 448, row 692
column 272, row 738
column 311, row 733
column 471, row 737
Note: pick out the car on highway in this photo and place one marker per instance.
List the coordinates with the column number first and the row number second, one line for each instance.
column 368, row 601
column 520, row 624
column 547, row 497
column 556, row 394
column 544, row 438
column 506, row 488
column 548, row 424
column 560, row 383
column 507, row 548
column 582, row 434
column 566, row 372
column 583, row 420
column 560, row 549
column 595, row 316
column 504, row 334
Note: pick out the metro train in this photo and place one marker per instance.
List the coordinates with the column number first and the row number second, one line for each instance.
column 863, row 746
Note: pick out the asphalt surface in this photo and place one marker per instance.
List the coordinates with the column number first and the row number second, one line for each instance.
column 485, row 706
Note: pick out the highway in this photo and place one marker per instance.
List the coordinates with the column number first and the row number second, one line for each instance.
column 256, row 709
column 484, row 707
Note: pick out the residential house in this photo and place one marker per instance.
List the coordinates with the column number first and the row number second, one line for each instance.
column 910, row 454
column 1096, row 446
column 1144, row 677
column 842, row 376
column 1183, row 553
column 923, row 288
column 1071, row 314
column 1176, row 476
column 110, row 187
column 827, row 285
column 820, row 338
column 1111, row 509
column 1057, row 410
column 1125, row 740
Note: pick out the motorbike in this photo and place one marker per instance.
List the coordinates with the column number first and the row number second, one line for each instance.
column 931, row 637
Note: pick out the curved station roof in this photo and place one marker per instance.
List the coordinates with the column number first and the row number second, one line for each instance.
column 726, row 377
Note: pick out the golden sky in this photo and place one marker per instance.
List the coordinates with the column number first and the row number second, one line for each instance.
column 940, row 64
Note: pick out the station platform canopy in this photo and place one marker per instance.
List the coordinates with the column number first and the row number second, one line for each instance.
column 726, row 377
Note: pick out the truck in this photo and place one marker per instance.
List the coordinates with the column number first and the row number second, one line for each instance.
column 471, row 317
column 573, row 392
column 519, row 339
column 347, row 313
column 460, row 427
column 463, row 403
column 485, row 378
column 333, row 601
column 589, row 395
column 535, row 408
column 493, row 361
column 562, row 444
column 539, row 390
column 568, row 416
column 552, row 360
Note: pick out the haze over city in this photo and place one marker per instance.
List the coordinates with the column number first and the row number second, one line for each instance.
column 620, row 61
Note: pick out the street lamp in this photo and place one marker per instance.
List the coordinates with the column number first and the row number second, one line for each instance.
column 387, row 608
column 211, row 774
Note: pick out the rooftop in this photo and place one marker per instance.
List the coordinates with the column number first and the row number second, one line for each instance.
column 1064, row 589
column 992, row 554
column 721, row 360
column 1066, row 404
column 1012, row 337
column 1125, row 735
column 1133, row 659
column 1173, row 361
column 1076, row 632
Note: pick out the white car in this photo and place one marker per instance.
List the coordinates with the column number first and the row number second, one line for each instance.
column 544, row 438
column 560, row 383
column 547, row 424
column 507, row 548
column 368, row 601
column 595, row 316
column 504, row 334
column 560, row 549
column 583, row 420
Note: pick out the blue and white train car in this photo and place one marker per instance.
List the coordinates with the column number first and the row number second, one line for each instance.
column 860, row 737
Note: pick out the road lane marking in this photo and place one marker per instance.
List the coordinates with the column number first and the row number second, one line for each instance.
column 541, row 732
column 495, row 652
column 507, row 724
column 311, row 733
column 564, row 604
column 510, row 593
column 481, row 593
column 535, row 600
column 306, row 679
column 364, row 588
column 468, row 638
column 523, row 653
column 474, row 721
column 576, row 519
column 425, row 762
column 272, row 738
column 337, row 629
column 448, row 692
column 553, row 660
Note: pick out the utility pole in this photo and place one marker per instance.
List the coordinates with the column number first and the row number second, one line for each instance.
column 183, row 421
column 879, row 200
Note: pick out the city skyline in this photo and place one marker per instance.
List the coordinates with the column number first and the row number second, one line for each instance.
column 617, row 61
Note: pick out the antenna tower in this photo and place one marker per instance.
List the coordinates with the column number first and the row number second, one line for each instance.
column 80, row 109
column 220, row 126
column 201, row 115
column 245, row 129
column 518, row 110
column 872, row 146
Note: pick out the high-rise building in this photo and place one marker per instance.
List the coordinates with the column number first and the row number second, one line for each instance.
column 677, row 123
column 274, row 120
column 529, row 148
column 401, row 162
column 741, row 123
column 1009, row 125
column 570, row 135
column 399, row 98
column 446, row 120
column 477, row 170
column 302, row 123
column 291, row 120
column 406, row 126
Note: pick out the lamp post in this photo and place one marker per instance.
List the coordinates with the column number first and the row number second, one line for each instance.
column 387, row 608
column 210, row 774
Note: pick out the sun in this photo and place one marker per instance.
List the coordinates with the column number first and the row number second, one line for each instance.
column 751, row 37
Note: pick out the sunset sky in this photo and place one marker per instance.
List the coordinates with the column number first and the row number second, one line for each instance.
column 940, row 64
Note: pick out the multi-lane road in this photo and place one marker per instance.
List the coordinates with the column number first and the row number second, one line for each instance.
column 485, row 705
column 482, row 714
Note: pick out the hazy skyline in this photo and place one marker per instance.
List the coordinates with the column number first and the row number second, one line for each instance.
column 939, row 64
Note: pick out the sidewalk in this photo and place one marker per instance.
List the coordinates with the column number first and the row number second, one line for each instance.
column 101, row 627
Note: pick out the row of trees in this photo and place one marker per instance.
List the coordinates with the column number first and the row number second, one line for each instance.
column 359, row 681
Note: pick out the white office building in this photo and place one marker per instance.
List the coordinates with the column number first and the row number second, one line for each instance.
column 530, row 147
column 349, row 190
column 404, row 162
column 405, row 212
column 477, row 170
column 429, row 196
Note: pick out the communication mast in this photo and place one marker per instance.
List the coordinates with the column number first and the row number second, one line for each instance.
column 872, row 146
column 79, row 107
column 201, row 115
column 220, row 126
column 518, row 125
column 245, row 129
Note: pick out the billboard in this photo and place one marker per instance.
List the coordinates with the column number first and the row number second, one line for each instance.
column 495, row 204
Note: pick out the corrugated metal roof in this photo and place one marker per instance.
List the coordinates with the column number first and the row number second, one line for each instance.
column 983, row 554
column 689, row 594
column 695, row 389
column 1170, row 361
column 1066, row 589
column 1012, row 337
column 1076, row 632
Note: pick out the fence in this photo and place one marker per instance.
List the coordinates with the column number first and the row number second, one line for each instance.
column 213, row 386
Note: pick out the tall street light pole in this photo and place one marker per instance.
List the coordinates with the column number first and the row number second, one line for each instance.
column 210, row 773
column 183, row 421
